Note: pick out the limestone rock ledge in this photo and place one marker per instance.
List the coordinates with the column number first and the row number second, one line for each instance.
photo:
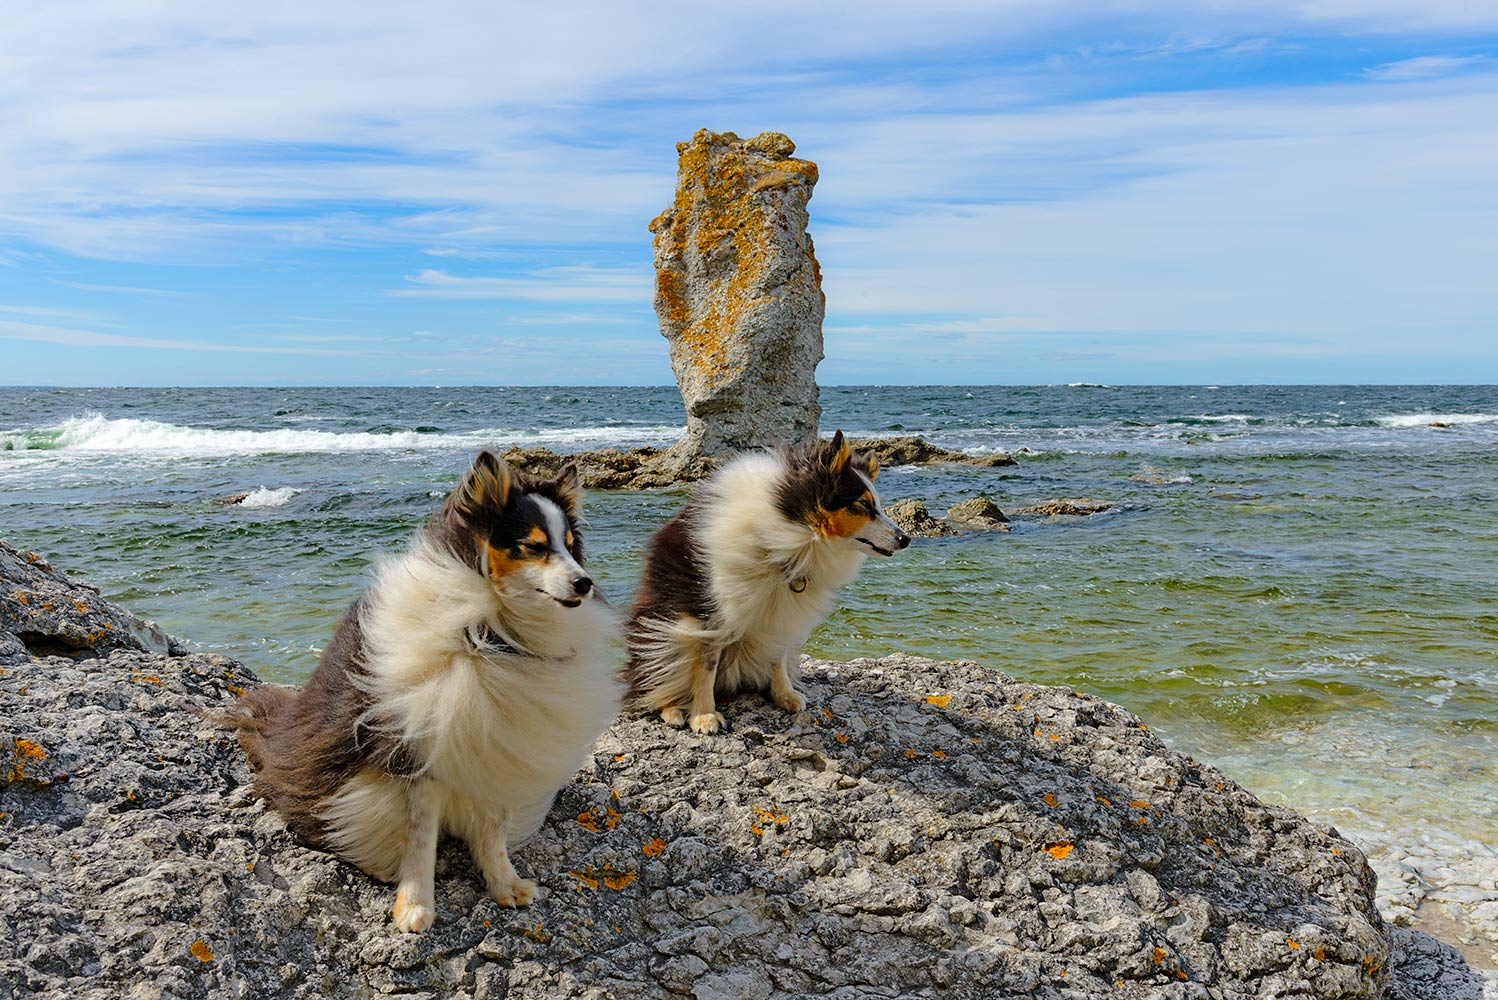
column 655, row 468
column 924, row 828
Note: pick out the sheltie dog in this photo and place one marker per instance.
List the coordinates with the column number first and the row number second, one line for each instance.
column 458, row 694
column 734, row 584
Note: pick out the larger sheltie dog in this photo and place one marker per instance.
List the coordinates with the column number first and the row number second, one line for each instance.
column 458, row 694
column 735, row 583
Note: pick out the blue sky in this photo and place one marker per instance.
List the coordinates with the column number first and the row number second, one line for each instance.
column 445, row 193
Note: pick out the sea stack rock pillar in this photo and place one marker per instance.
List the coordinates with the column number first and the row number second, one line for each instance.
column 738, row 293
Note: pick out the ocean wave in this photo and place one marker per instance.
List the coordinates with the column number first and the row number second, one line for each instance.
column 94, row 432
column 263, row 497
column 1426, row 419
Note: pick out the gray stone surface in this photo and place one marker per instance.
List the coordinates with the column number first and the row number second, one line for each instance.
column 656, row 468
column 977, row 514
column 923, row 828
column 44, row 611
column 915, row 520
column 738, row 293
column 1064, row 507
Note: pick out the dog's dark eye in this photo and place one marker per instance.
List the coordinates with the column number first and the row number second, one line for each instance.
column 533, row 548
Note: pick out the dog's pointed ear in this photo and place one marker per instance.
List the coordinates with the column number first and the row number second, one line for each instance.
column 569, row 487
column 487, row 485
column 835, row 454
column 873, row 466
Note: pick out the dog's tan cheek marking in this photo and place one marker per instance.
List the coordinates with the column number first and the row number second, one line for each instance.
column 845, row 523
column 500, row 563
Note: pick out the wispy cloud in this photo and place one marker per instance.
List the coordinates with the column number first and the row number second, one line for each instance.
column 557, row 284
column 12, row 330
column 89, row 286
column 1426, row 67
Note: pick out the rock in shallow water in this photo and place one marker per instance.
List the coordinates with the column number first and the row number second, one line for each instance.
column 923, row 828
column 916, row 521
column 978, row 514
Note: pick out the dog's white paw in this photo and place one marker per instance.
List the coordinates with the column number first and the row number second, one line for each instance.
column 707, row 723
column 514, row 891
column 790, row 699
column 674, row 716
column 411, row 917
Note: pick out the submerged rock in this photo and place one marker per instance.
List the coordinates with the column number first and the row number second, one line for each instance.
column 738, row 293
column 924, row 828
column 916, row 521
column 1065, row 507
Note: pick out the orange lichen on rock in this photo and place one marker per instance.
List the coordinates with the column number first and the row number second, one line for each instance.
column 1058, row 850
column 1049, row 798
column 655, row 848
column 738, row 291
column 588, row 821
column 939, row 700
column 25, row 750
column 619, row 881
column 199, row 949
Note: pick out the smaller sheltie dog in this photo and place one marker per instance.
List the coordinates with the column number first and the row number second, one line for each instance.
column 734, row 584
column 458, row 694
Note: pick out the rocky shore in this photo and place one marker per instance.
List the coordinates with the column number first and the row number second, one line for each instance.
column 925, row 828
column 666, row 468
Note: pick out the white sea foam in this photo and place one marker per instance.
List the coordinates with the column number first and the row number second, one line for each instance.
column 263, row 497
column 95, row 432
column 1425, row 419
column 1222, row 418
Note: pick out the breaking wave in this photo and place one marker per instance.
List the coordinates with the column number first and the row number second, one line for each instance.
column 95, row 432
column 1426, row 419
column 263, row 497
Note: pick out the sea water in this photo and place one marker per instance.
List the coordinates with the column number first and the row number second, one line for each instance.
column 1298, row 587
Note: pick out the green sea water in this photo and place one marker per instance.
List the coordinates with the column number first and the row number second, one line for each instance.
column 1299, row 589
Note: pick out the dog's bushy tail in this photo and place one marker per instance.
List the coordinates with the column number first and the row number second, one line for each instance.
column 255, row 717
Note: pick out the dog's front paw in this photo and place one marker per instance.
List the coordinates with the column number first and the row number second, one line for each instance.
column 413, row 917
column 707, row 723
column 514, row 891
column 674, row 716
column 789, row 699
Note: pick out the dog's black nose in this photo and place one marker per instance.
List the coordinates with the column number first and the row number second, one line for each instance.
column 902, row 539
column 582, row 585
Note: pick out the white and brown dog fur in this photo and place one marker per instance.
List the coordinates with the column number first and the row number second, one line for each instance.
column 735, row 583
column 458, row 694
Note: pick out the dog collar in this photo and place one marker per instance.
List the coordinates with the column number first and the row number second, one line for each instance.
column 798, row 584
column 484, row 639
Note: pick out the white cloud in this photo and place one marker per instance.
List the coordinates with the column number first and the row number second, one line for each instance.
column 555, row 284
column 1426, row 67
column 12, row 330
